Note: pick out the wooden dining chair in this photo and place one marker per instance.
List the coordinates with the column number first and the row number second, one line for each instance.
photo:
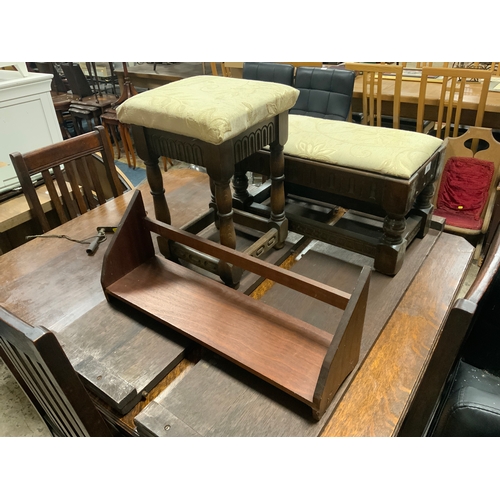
column 467, row 186
column 455, row 83
column 373, row 76
column 74, row 180
column 420, row 65
column 224, row 70
column 44, row 372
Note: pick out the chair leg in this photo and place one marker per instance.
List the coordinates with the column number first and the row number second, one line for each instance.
column 127, row 145
column 110, row 132
column 116, row 140
column 479, row 248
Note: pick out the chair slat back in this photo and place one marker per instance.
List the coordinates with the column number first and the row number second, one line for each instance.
column 75, row 188
column 52, row 384
column 77, row 81
column 373, row 96
column 421, row 65
column 455, row 83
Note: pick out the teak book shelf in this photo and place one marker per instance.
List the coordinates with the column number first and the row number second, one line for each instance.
column 306, row 362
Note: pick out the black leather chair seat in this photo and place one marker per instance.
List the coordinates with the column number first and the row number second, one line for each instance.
column 473, row 406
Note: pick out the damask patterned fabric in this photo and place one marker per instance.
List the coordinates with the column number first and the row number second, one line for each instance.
column 210, row 108
column 398, row 153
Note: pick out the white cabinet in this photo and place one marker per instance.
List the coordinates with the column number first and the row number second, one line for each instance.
column 27, row 119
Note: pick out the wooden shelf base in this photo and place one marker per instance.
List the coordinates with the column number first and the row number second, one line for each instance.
column 306, row 362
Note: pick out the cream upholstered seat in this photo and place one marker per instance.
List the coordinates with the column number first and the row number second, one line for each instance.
column 208, row 108
column 215, row 123
column 392, row 152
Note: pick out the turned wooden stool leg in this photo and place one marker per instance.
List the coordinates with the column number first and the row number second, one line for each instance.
column 241, row 196
column 220, row 174
column 155, row 180
column 277, row 168
column 425, row 208
column 229, row 274
column 390, row 252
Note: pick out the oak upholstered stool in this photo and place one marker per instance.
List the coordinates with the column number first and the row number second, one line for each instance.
column 386, row 174
column 214, row 122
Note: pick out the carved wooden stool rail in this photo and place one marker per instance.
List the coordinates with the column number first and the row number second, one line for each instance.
column 215, row 123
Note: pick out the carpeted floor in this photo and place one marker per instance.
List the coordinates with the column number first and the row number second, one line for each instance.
column 135, row 176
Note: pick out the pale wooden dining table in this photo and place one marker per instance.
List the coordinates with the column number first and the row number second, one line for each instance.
column 410, row 89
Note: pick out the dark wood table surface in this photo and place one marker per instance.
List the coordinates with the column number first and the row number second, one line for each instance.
column 145, row 76
column 54, row 283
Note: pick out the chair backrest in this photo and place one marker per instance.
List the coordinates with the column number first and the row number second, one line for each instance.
column 311, row 64
column 324, row 92
column 373, row 79
column 80, row 186
column 269, row 72
column 421, row 65
column 41, row 366
column 454, row 82
column 77, row 81
column 57, row 84
column 480, row 144
column 224, row 70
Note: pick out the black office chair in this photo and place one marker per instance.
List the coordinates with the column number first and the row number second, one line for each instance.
column 470, row 402
column 324, row 92
column 269, row 72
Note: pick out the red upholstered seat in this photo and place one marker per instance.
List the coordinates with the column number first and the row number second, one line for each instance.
column 463, row 192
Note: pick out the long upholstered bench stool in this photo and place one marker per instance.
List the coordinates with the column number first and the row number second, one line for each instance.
column 387, row 174
column 214, row 122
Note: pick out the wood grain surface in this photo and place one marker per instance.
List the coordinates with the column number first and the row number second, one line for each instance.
column 379, row 396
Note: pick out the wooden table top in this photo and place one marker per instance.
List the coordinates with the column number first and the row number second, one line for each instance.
column 53, row 282
column 410, row 92
column 164, row 73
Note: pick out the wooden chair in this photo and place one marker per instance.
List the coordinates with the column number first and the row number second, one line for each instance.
column 57, row 84
column 42, row 369
column 462, row 147
column 83, row 184
column 420, row 65
column 224, row 71
column 372, row 91
column 454, row 82
column 82, row 91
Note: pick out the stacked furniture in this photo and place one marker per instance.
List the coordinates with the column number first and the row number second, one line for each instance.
column 215, row 123
column 385, row 174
